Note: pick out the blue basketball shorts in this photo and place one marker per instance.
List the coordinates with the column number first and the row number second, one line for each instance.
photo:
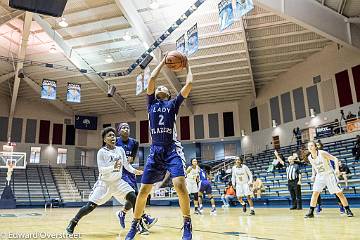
column 162, row 159
column 205, row 187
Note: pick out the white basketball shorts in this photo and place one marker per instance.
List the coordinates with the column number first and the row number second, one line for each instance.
column 103, row 191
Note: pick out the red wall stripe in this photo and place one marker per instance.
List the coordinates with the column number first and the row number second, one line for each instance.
column 343, row 87
column 185, row 128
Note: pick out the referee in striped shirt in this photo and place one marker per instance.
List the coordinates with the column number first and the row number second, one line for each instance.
column 293, row 175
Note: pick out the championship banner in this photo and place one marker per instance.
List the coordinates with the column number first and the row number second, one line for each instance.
column 147, row 75
column 180, row 44
column 193, row 40
column 48, row 89
column 325, row 131
column 353, row 126
column 139, row 84
column 226, row 14
column 242, row 7
column 73, row 92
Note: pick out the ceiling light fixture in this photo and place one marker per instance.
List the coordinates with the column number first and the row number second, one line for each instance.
column 274, row 125
column 63, row 23
column 127, row 36
column 312, row 113
column 154, row 4
column 109, row 59
column 52, row 49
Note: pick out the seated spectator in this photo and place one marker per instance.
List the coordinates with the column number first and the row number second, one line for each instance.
column 218, row 176
column 344, row 173
column 229, row 195
column 359, row 113
column 257, row 187
column 337, row 127
column 277, row 163
column 356, row 149
column 228, row 173
column 350, row 117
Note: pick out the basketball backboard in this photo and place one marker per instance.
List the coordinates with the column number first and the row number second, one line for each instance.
column 18, row 159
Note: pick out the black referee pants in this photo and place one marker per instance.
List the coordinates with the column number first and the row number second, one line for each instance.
column 295, row 193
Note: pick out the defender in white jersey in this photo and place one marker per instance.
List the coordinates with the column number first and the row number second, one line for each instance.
column 323, row 176
column 192, row 183
column 241, row 180
column 110, row 160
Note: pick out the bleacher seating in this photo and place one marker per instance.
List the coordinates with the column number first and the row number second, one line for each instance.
column 36, row 185
column 276, row 183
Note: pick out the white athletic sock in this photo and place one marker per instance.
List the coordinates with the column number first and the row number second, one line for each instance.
column 200, row 205
column 213, row 206
column 251, row 208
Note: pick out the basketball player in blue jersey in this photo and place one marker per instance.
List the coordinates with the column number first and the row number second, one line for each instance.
column 130, row 147
column 205, row 188
column 165, row 151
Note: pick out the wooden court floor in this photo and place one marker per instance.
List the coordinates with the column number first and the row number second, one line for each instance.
column 268, row 223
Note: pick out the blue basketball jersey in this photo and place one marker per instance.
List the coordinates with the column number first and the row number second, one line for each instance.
column 202, row 175
column 162, row 119
column 130, row 147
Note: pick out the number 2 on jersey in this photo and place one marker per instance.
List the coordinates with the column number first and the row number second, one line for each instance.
column 161, row 121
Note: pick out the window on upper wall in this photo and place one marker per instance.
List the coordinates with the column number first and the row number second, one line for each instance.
column 35, row 154
column 83, row 158
column 62, row 156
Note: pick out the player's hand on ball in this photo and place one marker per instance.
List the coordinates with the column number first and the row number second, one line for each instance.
column 139, row 172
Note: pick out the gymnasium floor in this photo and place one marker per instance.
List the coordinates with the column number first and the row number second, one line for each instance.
column 269, row 223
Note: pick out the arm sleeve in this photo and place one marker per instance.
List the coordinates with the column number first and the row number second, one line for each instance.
column 101, row 164
column 126, row 164
column 150, row 99
column 135, row 149
column 179, row 99
column 249, row 174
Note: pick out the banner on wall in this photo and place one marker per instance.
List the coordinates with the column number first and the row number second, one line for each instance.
column 353, row 126
column 193, row 40
column 242, row 7
column 139, row 84
column 73, row 92
column 180, row 44
column 85, row 122
column 324, row 131
column 226, row 14
column 147, row 75
column 48, row 89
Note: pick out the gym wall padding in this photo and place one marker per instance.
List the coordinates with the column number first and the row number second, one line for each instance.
column 213, row 121
column 356, row 75
column 275, row 109
column 313, row 99
column 254, row 118
column 185, row 128
column 286, row 107
column 16, row 130
column 199, row 126
column 57, row 134
column 144, row 131
column 44, row 131
column 344, row 89
column 299, row 104
column 328, row 96
column 30, row 134
column 228, row 121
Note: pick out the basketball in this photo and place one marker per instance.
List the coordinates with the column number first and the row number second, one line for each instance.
column 176, row 61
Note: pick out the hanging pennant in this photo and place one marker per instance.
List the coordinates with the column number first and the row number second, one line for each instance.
column 193, row 40
column 48, row 89
column 226, row 14
column 147, row 75
column 242, row 7
column 180, row 44
column 139, row 84
column 73, row 92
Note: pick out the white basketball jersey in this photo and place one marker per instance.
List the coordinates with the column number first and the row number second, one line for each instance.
column 320, row 164
column 193, row 174
column 241, row 174
column 106, row 159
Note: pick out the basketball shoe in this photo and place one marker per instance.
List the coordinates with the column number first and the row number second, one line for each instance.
column 121, row 217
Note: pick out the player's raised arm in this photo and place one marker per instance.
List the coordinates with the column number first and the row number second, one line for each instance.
column 185, row 91
column 151, row 84
column 249, row 173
